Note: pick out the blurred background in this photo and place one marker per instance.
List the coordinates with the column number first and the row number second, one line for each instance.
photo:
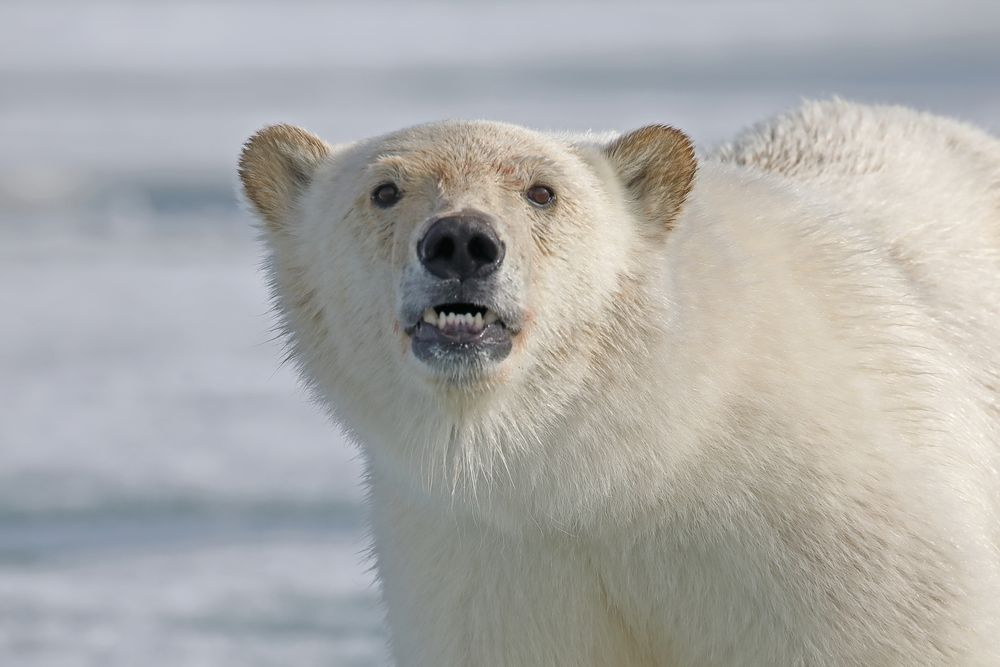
column 168, row 495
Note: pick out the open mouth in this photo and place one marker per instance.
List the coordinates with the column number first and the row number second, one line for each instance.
column 460, row 320
column 460, row 332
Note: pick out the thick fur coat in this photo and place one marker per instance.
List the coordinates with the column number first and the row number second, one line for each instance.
column 750, row 411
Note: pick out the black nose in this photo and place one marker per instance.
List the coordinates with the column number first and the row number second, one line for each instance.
column 462, row 247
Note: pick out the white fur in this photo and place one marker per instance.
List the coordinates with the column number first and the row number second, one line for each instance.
column 786, row 456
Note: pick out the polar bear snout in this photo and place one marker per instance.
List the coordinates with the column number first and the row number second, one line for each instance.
column 459, row 297
column 461, row 247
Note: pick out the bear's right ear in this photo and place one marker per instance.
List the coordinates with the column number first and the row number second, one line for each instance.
column 656, row 164
column 277, row 163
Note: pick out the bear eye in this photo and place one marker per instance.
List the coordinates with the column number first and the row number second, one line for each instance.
column 540, row 195
column 386, row 195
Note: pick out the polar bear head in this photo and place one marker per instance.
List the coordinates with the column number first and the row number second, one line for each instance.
column 444, row 275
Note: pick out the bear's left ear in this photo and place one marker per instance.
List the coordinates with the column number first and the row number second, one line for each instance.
column 656, row 164
column 277, row 163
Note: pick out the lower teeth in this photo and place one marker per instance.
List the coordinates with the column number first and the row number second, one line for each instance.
column 466, row 320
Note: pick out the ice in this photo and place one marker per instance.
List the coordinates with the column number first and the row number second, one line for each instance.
column 265, row 600
column 168, row 496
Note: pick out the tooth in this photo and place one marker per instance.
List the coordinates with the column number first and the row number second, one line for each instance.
column 490, row 318
column 452, row 318
column 430, row 317
column 442, row 321
column 478, row 322
column 468, row 320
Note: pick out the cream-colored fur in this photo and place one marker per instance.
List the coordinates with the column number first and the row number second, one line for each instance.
column 756, row 423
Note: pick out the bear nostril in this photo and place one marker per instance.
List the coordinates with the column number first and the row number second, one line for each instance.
column 483, row 248
column 442, row 250
column 460, row 247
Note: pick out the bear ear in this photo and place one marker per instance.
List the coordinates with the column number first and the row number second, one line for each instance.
column 656, row 164
column 277, row 163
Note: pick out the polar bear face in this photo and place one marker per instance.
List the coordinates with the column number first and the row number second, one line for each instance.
column 451, row 264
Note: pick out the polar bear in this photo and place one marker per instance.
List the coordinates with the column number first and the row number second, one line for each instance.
column 621, row 403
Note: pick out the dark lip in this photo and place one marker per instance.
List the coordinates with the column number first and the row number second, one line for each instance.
column 414, row 328
column 435, row 347
column 430, row 331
